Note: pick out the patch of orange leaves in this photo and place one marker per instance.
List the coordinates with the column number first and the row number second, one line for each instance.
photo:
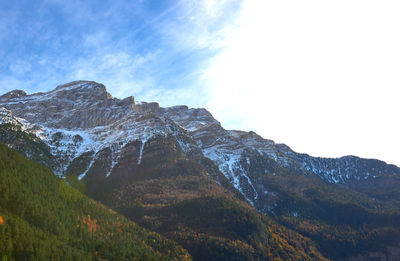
column 92, row 224
column 1, row 220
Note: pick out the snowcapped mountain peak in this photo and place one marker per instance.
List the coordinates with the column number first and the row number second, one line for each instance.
column 80, row 104
column 80, row 84
column 13, row 94
column 88, row 91
column 82, row 90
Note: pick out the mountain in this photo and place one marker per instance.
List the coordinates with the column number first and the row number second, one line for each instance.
column 236, row 151
column 219, row 193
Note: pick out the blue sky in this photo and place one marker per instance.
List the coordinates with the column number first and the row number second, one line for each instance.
column 140, row 48
column 320, row 76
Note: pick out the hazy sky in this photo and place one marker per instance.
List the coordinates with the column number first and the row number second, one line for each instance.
column 321, row 76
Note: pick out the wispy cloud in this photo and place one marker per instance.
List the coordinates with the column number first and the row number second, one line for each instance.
column 132, row 47
column 123, row 73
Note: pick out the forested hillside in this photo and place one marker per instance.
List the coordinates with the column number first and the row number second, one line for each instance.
column 43, row 218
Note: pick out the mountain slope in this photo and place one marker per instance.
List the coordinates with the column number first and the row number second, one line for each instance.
column 148, row 168
column 174, row 169
column 173, row 195
column 348, row 203
column 44, row 218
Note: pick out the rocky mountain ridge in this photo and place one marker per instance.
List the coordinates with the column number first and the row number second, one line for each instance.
column 81, row 117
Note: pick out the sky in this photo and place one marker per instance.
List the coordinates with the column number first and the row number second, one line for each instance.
column 320, row 76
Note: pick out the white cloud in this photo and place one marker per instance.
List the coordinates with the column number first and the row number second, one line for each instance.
column 20, row 67
column 123, row 73
column 320, row 76
column 8, row 83
column 201, row 24
column 96, row 40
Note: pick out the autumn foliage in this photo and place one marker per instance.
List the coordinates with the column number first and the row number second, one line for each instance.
column 91, row 223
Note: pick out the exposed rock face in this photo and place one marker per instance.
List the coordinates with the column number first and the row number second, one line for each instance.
column 80, row 104
column 147, row 108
